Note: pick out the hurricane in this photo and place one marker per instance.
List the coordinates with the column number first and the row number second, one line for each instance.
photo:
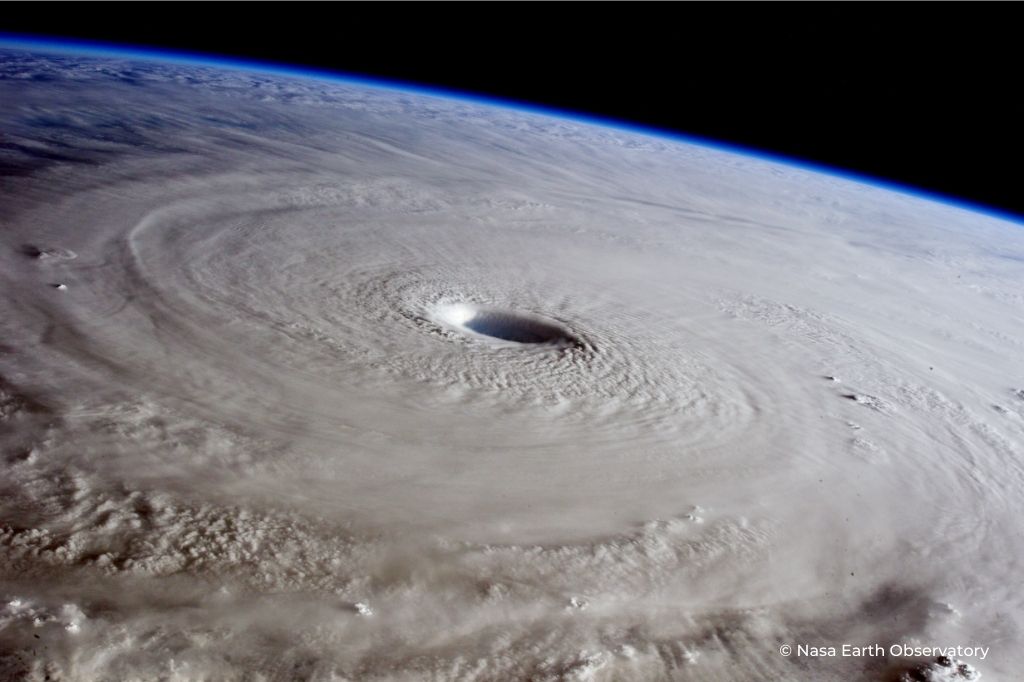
column 307, row 378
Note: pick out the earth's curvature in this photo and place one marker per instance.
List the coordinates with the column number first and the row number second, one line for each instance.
column 310, row 379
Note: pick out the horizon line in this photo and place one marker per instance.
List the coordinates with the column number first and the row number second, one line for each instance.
column 99, row 48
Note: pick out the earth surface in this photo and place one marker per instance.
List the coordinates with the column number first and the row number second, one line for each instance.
column 305, row 378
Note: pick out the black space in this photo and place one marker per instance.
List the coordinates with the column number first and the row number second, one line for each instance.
column 927, row 95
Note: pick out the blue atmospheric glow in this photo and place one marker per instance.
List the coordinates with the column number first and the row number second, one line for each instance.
column 74, row 46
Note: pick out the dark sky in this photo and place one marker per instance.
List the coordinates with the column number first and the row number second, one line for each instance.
column 928, row 95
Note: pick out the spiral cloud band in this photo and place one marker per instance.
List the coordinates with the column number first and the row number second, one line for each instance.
column 313, row 380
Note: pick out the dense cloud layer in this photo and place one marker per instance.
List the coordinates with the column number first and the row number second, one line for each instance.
column 310, row 380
